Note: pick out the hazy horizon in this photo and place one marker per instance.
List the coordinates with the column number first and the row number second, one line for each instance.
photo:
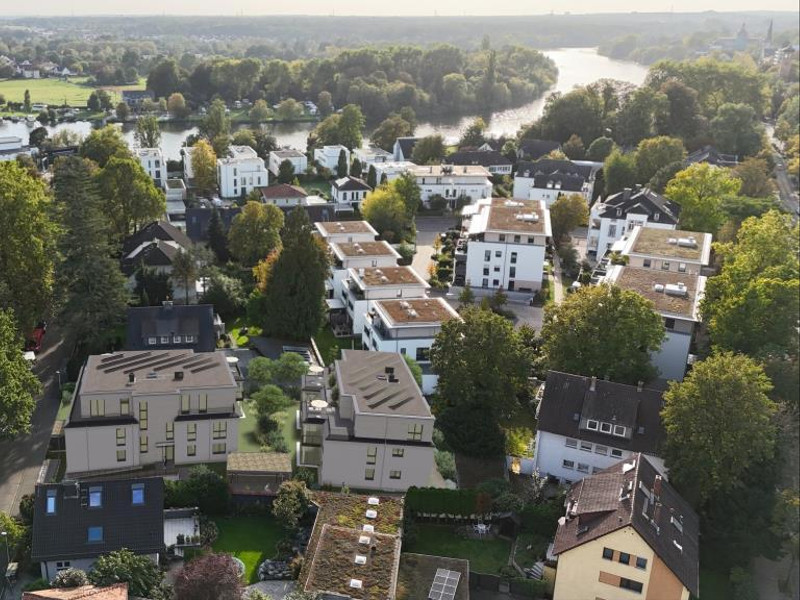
column 406, row 8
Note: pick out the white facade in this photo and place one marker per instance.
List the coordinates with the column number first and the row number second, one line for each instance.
column 240, row 172
column 506, row 246
column 455, row 184
column 605, row 231
column 328, row 156
column 391, row 170
column 357, row 255
column 346, row 231
column 152, row 161
column 524, row 187
column 298, row 159
column 188, row 172
column 372, row 156
column 349, row 191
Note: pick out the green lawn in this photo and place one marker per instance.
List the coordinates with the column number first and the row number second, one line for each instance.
column 73, row 92
column 250, row 539
column 485, row 556
column 329, row 345
column 247, row 429
column 525, row 556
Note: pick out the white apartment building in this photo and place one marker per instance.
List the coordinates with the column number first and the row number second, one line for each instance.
column 587, row 424
column 371, row 429
column 298, row 159
column 346, row 231
column 506, row 243
column 165, row 407
column 547, row 179
column 457, row 185
column 11, row 146
column 372, row 156
column 357, row 255
column 328, row 156
column 152, row 161
column 408, row 327
column 240, row 172
column 673, row 250
column 676, row 297
column 391, row 170
column 364, row 285
column 614, row 218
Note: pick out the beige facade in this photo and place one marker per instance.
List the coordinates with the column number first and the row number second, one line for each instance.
column 583, row 572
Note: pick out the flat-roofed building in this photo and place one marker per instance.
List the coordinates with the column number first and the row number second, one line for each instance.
column 355, row 255
column 346, row 231
column 672, row 250
column 240, row 172
column 458, row 185
column 152, row 161
column 298, row 160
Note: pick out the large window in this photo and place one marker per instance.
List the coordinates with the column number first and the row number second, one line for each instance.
column 121, row 456
column 218, row 448
column 630, row 584
column 395, row 474
column 570, row 443
column 143, row 416
column 97, row 407
column 121, row 436
column 415, row 432
column 170, row 430
column 641, row 563
column 95, row 496
column 423, row 354
column 369, row 474
column 191, row 432
column 608, row 553
column 143, row 443
column 398, row 452
column 568, row 464
column 203, row 403
column 220, row 430
column 624, row 558
column 51, row 502
column 372, row 455
column 191, row 450
column 185, row 403
column 125, row 406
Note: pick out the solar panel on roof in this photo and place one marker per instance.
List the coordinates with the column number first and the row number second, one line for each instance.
column 205, row 367
column 444, row 585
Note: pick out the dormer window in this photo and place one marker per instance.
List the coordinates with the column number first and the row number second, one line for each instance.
column 151, row 341
column 605, row 427
column 176, row 339
column 593, row 425
column 165, row 339
column 137, row 494
column 51, row 502
column 96, row 497
column 619, row 431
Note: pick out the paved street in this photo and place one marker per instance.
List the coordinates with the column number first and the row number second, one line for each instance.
column 789, row 198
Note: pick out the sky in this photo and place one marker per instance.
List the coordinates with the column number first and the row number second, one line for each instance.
column 384, row 8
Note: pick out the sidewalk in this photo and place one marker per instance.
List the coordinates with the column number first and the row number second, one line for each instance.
column 558, row 288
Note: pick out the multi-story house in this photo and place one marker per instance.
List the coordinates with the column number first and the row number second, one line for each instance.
column 298, row 159
column 586, row 425
column 170, row 326
column 493, row 160
column 365, row 424
column 672, row 250
column 615, row 217
column 349, row 192
column 458, row 185
column 372, row 156
column 362, row 286
column 355, row 255
column 240, row 172
column 506, row 244
column 164, row 407
column 676, row 297
column 346, row 231
column 408, row 327
column 627, row 534
column 284, row 195
column 327, row 157
column 152, row 161
column 548, row 179
column 391, row 170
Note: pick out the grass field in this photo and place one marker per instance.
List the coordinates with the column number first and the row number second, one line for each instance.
column 56, row 91
column 485, row 556
column 250, row 539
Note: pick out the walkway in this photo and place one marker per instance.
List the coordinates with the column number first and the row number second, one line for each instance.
column 558, row 287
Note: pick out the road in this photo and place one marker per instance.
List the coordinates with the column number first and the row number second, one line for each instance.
column 21, row 458
column 789, row 198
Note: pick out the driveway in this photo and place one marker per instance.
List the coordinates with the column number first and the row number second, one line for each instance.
column 427, row 230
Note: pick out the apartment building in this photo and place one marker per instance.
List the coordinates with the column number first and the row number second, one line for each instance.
column 165, row 407
column 505, row 244
column 298, row 160
column 346, row 231
column 240, row 172
column 365, row 424
column 391, row 170
column 152, row 161
column 676, row 297
column 585, row 425
column 327, row 157
column 372, row 156
column 627, row 534
column 547, row 180
column 494, row 161
column 672, row 250
column 458, row 185
column 408, row 327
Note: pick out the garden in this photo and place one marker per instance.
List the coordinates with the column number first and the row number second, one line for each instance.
column 251, row 539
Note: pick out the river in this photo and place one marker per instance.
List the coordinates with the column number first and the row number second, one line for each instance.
column 576, row 66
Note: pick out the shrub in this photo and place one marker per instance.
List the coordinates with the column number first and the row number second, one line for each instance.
column 37, row 584
column 276, row 441
column 26, row 509
column 204, row 488
column 209, row 577
column 306, row 475
column 70, row 578
column 446, row 463
column 209, row 532
column 437, row 203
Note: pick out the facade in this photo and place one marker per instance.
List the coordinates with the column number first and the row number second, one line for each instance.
column 672, row 250
column 358, row 255
column 136, row 98
column 298, row 159
column 378, row 434
column 152, row 161
column 627, row 534
column 372, row 156
column 283, row 195
column 240, row 172
column 349, row 192
column 506, row 244
column 75, row 522
column 585, row 425
column 391, row 170
column 137, row 408
column 346, row 231
column 328, row 156
column 676, row 297
column 170, row 326
column 457, row 185
column 547, row 180
column 612, row 219
column 494, row 161
column 408, row 327
column 404, row 148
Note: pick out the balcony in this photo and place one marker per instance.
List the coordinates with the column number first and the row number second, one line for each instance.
column 356, row 292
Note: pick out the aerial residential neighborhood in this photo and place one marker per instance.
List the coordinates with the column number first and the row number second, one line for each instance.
column 493, row 304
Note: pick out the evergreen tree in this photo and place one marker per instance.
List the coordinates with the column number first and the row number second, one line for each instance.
column 356, row 168
column 217, row 238
column 341, row 166
column 285, row 172
column 372, row 177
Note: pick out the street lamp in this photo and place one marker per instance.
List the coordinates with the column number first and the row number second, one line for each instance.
column 4, row 534
column 58, row 374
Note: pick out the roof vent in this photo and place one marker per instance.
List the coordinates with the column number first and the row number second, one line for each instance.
column 658, row 287
column 687, row 242
column 677, row 289
column 527, row 217
column 371, row 514
column 372, row 500
column 368, row 528
column 412, row 313
column 364, row 539
column 356, row 584
column 360, row 559
column 673, row 241
column 178, row 375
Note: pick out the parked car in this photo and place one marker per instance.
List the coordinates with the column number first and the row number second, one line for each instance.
column 34, row 343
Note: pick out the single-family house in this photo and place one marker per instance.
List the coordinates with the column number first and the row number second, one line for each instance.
column 240, row 172
column 349, row 192
column 170, row 326
column 457, row 185
column 283, row 195
column 549, row 179
column 327, row 157
column 298, row 159
column 198, row 218
column 391, row 170
column 372, row 156
column 135, row 98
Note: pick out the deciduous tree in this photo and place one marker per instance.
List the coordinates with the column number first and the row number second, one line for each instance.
column 619, row 171
column 574, row 148
column 755, row 177
column 204, row 168
column 600, row 148
column 260, row 111
column 391, row 128
column 176, row 105
column 148, row 133
column 18, row 385
column 654, row 153
column 130, row 197
column 255, row 232
column 216, row 122
column 386, row 212
column 699, row 190
column 428, row 150
column 101, row 144
column 209, row 577
column 736, row 130
column 567, row 213
column 291, row 503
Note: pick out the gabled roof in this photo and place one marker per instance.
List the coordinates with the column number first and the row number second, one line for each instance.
column 484, row 158
column 640, row 201
column 569, row 401
column 710, row 155
column 633, row 494
column 170, row 320
column 549, row 166
column 407, row 145
column 157, row 230
column 562, row 181
column 535, row 149
column 64, row 535
column 349, row 183
column 282, row 190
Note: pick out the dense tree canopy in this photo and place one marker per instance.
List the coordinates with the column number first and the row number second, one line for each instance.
column 204, row 168
column 737, row 130
column 130, row 197
column 101, row 144
column 385, row 210
column 699, row 190
column 567, row 213
column 653, row 154
column 18, row 385
column 255, row 232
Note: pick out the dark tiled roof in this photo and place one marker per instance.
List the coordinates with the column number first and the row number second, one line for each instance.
column 349, row 183
column 568, row 183
column 487, row 158
column 632, row 493
column 549, row 166
column 566, row 396
column 641, row 201
column 157, row 230
column 710, row 155
column 536, row 149
column 154, row 321
column 407, row 146
column 198, row 218
column 64, row 535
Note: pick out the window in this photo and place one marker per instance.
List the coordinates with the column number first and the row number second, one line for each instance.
column 531, row 239
column 95, row 496
column 403, row 351
column 121, row 436
column 97, row 407
column 485, row 270
column 121, row 456
column 570, row 443
column 498, row 254
column 369, row 474
column 619, row 431
column 593, row 425
column 220, row 430
column 641, row 563
column 143, row 416
column 669, row 323
column 616, row 453
column 629, row 584
column 646, row 263
column 176, row 339
column 170, row 431
column 189, row 339
column 51, row 502
column 612, row 231
column 608, row 553
column 512, row 271
column 583, row 467
column 485, row 282
column 415, row 432
column 372, row 455
column 125, row 406
column 586, row 446
column 185, row 403
column 502, row 237
column 495, row 282
column 165, row 339
column 497, row 268
column 143, row 443
column 219, row 448
column 681, row 267
column 624, row 558
column 423, row 354
column 137, row 494
column 191, row 432
column 398, row 452
column 568, row 464
column 600, row 450
column 665, row 265
column 487, row 256
column 605, row 427
column 395, row 474
column 191, row 450
column 95, row 534
column 63, row 565
column 513, row 258
column 517, row 239
column 151, row 341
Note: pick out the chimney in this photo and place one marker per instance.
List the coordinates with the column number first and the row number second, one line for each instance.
column 657, row 486
column 389, row 370
column 593, row 384
column 178, row 375
column 640, row 386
